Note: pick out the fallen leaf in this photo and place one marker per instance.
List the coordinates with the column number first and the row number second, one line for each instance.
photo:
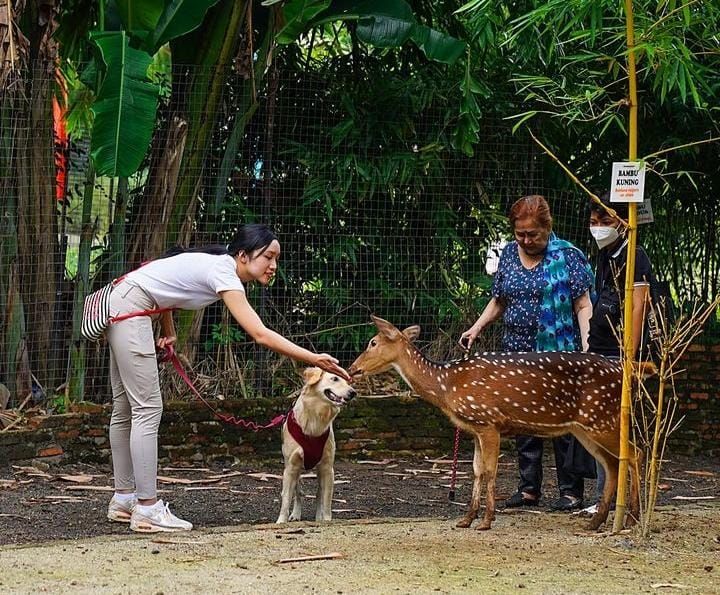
column 197, row 488
column 92, row 488
column 383, row 462
column 313, row 497
column 264, row 476
column 182, row 480
column 17, row 516
column 292, row 532
column 330, row 556
column 10, row 484
column 224, row 475
column 701, row 473
column 32, row 471
column 77, row 478
column 447, row 461
column 177, row 542
column 664, row 487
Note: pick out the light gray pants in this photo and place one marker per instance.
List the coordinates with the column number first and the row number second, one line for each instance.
column 137, row 404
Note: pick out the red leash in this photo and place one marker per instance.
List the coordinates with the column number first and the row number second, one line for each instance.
column 168, row 354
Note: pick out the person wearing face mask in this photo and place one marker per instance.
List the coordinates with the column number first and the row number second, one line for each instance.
column 541, row 291
column 189, row 280
column 605, row 336
column 609, row 234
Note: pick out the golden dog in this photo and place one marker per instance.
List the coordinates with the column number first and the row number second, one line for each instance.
column 308, row 441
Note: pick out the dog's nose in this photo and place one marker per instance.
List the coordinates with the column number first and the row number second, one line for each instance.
column 352, row 394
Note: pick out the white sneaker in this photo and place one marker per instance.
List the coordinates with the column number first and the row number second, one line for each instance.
column 156, row 518
column 589, row 511
column 120, row 511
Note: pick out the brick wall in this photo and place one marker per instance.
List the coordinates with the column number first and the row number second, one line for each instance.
column 698, row 390
column 188, row 431
column 365, row 428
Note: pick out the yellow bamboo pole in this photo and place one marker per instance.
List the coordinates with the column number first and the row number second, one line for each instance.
column 628, row 350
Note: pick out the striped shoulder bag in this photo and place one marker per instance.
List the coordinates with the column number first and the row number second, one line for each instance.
column 96, row 312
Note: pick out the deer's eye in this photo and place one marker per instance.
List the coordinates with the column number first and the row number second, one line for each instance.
column 373, row 342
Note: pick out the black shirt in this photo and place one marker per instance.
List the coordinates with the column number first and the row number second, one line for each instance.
column 610, row 293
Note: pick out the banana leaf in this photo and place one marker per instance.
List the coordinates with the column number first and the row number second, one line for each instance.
column 140, row 15
column 298, row 14
column 125, row 107
column 381, row 23
column 155, row 22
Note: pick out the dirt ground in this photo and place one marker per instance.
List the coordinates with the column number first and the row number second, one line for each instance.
column 393, row 528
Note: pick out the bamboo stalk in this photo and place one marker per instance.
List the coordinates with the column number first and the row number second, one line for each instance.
column 654, row 463
column 628, row 351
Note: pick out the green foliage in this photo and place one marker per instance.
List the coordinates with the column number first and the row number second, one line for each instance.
column 125, row 107
column 380, row 23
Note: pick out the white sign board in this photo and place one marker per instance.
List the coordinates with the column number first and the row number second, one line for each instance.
column 644, row 212
column 628, row 181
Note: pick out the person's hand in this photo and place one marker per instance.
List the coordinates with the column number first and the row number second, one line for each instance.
column 328, row 363
column 469, row 336
column 163, row 342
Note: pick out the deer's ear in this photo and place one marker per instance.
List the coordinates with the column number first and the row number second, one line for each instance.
column 412, row 332
column 386, row 329
column 312, row 375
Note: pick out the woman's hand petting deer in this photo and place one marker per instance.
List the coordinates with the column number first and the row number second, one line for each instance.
column 190, row 280
column 542, row 292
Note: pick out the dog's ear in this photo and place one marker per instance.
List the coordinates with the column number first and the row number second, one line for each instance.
column 312, row 375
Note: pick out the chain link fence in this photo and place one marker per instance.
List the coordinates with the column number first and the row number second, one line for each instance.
column 374, row 211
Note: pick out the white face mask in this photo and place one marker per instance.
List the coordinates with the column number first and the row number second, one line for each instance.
column 604, row 236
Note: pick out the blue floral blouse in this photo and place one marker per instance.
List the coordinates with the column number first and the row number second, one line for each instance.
column 521, row 292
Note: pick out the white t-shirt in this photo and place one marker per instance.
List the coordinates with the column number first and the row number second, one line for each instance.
column 189, row 281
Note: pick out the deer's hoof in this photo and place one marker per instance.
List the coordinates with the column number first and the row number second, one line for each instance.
column 484, row 526
column 595, row 522
column 464, row 523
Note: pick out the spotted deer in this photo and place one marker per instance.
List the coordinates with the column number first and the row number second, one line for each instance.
column 490, row 395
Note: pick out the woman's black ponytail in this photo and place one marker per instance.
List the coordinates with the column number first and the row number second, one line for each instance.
column 248, row 238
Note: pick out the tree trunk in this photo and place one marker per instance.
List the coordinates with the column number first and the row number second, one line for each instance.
column 37, row 224
column 152, row 214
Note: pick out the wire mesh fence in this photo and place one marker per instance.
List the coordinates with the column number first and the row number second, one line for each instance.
column 374, row 211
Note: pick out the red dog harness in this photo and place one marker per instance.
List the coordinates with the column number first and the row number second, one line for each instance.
column 312, row 446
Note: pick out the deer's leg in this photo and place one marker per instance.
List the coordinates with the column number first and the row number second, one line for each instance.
column 474, row 505
column 490, row 443
column 610, row 464
column 604, row 454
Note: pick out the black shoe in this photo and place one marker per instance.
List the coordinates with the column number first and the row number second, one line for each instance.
column 566, row 502
column 518, row 499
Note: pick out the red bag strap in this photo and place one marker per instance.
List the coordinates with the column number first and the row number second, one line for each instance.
column 115, row 319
